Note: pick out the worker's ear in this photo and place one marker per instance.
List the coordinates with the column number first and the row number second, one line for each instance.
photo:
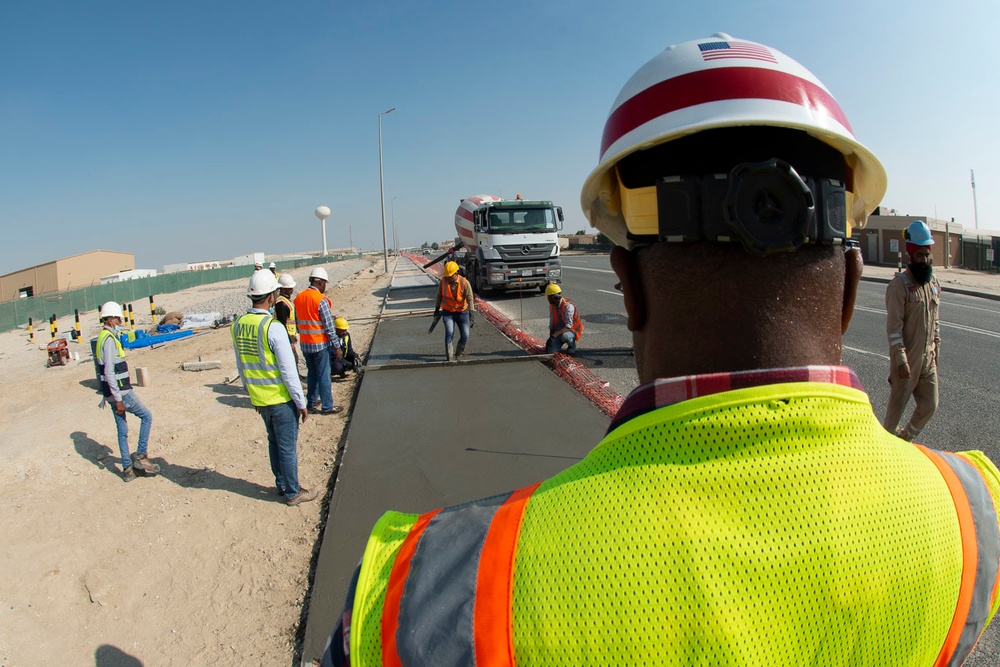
column 853, row 267
column 627, row 269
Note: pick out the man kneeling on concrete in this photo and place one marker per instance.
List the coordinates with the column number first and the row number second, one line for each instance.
column 345, row 358
column 267, row 367
column 565, row 325
column 116, row 385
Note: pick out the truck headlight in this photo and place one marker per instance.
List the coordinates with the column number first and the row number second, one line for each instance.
column 496, row 277
column 555, row 273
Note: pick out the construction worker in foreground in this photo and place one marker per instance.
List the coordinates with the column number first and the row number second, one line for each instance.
column 565, row 325
column 455, row 303
column 116, row 385
column 912, row 303
column 284, row 311
column 266, row 366
column 314, row 321
column 745, row 507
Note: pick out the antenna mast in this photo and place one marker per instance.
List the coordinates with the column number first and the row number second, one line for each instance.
column 975, row 206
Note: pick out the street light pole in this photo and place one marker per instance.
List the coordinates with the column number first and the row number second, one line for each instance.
column 381, row 189
column 395, row 238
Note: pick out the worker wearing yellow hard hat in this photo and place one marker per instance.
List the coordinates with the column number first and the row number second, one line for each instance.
column 565, row 325
column 348, row 359
column 455, row 305
column 745, row 508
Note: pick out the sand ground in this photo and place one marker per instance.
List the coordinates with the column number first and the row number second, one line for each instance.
column 202, row 565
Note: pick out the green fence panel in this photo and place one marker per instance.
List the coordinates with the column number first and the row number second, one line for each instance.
column 14, row 314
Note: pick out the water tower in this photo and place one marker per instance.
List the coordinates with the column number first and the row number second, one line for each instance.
column 323, row 212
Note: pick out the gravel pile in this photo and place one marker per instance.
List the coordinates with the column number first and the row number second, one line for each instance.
column 230, row 297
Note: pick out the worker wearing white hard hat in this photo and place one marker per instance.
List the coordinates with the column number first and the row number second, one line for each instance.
column 913, row 325
column 318, row 340
column 745, row 506
column 284, row 312
column 116, row 386
column 273, row 268
column 267, row 367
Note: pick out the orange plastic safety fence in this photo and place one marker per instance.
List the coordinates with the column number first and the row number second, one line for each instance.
column 578, row 376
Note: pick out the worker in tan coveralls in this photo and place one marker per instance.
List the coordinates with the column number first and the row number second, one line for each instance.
column 912, row 302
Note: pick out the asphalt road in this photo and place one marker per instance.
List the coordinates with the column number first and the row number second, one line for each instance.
column 969, row 414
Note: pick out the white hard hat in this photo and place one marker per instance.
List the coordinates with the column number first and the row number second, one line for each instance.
column 111, row 309
column 319, row 272
column 262, row 283
column 714, row 83
column 272, row 265
column 286, row 280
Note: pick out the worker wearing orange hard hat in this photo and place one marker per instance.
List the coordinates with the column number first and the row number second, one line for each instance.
column 745, row 508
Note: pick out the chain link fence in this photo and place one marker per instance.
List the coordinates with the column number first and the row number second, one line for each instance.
column 14, row 314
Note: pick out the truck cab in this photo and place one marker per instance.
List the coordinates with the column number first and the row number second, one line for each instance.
column 515, row 245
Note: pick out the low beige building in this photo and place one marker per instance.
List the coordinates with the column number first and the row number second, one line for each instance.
column 64, row 274
column 882, row 241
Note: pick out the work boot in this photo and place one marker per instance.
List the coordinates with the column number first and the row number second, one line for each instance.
column 448, row 353
column 460, row 349
column 128, row 474
column 143, row 467
column 303, row 496
column 903, row 434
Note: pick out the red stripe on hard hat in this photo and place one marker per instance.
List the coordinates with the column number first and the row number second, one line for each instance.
column 716, row 85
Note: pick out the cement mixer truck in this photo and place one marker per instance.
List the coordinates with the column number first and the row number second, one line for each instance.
column 509, row 244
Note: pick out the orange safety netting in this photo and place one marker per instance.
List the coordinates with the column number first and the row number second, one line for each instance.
column 581, row 378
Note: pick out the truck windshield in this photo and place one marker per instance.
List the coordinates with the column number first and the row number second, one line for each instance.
column 522, row 220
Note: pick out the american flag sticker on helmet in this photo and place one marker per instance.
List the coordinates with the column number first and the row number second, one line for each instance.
column 730, row 49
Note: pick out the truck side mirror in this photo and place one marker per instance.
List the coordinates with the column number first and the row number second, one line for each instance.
column 559, row 214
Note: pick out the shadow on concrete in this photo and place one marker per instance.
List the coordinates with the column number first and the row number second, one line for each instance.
column 622, row 357
column 100, row 455
column 512, row 453
column 183, row 476
column 112, row 656
column 92, row 383
column 232, row 395
column 234, row 389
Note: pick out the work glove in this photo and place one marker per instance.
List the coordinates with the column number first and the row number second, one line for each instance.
column 472, row 320
column 434, row 323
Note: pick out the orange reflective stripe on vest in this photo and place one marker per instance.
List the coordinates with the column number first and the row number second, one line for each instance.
column 455, row 570
column 307, row 319
column 493, row 615
column 558, row 320
column 977, row 520
column 453, row 304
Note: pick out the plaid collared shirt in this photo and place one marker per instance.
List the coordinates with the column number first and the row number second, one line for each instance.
column 661, row 393
column 326, row 317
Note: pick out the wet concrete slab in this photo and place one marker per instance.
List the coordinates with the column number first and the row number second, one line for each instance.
column 405, row 340
column 423, row 437
column 426, row 434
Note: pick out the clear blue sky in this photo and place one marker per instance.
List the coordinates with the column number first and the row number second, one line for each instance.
column 201, row 130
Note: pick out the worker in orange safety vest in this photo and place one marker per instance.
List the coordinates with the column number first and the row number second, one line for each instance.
column 746, row 508
column 565, row 325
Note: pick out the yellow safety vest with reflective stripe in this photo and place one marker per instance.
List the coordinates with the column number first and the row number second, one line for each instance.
column 290, row 322
column 257, row 363
column 121, row 377
column 766, row 526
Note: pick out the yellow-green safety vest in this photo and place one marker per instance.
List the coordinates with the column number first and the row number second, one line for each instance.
column 765, row 526
column 124, row 382
column 256, row 362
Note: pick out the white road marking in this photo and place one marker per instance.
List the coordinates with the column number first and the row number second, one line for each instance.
column 874, row 354
column 951, row 325
column 616, row 292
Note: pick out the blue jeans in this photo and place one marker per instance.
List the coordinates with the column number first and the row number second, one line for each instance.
column 450, row 320
column 318, row 380
column 282, row 423
column 135, row 406
column 554, row 343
